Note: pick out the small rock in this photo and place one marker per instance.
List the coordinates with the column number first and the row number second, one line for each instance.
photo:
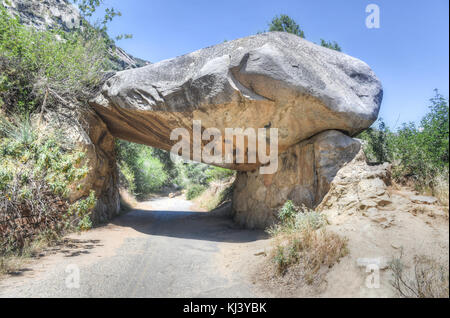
column 370, row 212
column 260, row 253
column 423, row 199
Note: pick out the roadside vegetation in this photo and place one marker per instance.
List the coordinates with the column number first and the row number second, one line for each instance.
column 218, row 193
column 145, row 170
column 419, row 154
column 303, row 246
column 40, row 72
column 38, row 168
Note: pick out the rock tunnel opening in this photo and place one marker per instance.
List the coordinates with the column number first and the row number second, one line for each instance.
column 267, row 81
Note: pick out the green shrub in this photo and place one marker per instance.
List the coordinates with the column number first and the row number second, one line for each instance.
column 81, row 210
column 151, row 175
column 217, row 173
column 294, row 219
column 310, row 219
column 38, row 67
column 379, row 143
column 194, row 191
column 143, row 172
column 128, row 176
column 417, row 153
column 45, row 70
column 196, row 173
column 36, row 173
column 287, row 212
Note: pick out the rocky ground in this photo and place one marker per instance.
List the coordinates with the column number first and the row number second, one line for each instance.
column 382, row 222
column 405, row 228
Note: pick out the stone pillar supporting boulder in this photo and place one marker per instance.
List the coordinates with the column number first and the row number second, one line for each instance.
column 305, row 172
column 103, row 175
column 85, row 129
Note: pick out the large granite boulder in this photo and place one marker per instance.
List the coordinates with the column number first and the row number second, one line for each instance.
column 275, row 79
column 317, row 98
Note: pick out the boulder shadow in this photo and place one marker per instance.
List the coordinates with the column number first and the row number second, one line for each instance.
column 216, row 226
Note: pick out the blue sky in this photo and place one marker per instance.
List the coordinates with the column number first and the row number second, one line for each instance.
column 409, row 52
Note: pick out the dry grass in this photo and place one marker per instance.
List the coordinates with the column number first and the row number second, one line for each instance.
column 441, row 188
column 218, row 192
column 428, row 278
column 307, row 252
column 11, row 264
column 14, row 261
column 304, row 246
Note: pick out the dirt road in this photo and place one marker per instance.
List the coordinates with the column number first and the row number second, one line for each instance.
column 161, row 249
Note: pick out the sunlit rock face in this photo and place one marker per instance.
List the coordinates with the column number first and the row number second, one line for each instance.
column 45, row 14
column 317, row 98
column 304, row 175
column 273, row 79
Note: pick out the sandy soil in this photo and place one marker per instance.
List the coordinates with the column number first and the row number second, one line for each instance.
column 407, row 229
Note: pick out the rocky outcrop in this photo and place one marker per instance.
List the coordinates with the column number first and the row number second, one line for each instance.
column 275, row 79
column 316, row 97
column 45, row 14
column 52, row 14
column 358, row 188
column 99, row 146
column 304, row 176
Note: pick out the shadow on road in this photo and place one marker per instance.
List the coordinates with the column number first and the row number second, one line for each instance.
column 188, row 225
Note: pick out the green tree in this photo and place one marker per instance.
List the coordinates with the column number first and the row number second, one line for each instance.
column 168, row 164
column 284, row 23
column 46, row 68
column 378, row 146
column 88, row 8
column 435, row 130
column 417, row 152
column 331, row 45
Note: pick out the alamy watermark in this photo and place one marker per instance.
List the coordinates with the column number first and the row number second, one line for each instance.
column 73, row 277
column 372, row 268
column 373, row 19
column 237, row 146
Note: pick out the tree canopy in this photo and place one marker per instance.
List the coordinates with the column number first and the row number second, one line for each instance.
column 285, row 23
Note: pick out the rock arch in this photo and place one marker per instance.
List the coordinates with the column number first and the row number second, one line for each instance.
column 316, row 97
